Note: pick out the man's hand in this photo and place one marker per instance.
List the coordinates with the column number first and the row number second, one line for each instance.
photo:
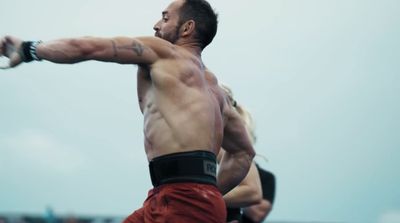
column 10, row 47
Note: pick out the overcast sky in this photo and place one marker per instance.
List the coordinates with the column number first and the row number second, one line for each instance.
column 321, row 78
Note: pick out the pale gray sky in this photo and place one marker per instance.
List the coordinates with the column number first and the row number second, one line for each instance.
column 320, row 77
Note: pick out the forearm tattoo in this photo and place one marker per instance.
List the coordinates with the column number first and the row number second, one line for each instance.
column 135, row 47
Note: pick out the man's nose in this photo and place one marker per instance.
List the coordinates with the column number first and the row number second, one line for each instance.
column 156, row 27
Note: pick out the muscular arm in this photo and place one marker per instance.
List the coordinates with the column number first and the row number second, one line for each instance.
column 247, row 193
column 239, row 152
column 120, row 50
column 124, row 50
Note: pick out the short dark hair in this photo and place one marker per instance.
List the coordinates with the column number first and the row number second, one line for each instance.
column 203, row 15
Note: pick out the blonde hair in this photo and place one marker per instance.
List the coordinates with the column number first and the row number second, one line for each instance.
column 244, row 114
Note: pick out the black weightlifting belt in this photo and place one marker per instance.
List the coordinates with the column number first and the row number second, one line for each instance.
column 194, row 166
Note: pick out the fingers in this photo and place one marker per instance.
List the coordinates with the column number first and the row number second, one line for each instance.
column 8, row 48
column 2, row 52
column 2, row 46
column 5, row 63
column 9, row 45
column 6, row 43
column 9, row 39
column 15, row 60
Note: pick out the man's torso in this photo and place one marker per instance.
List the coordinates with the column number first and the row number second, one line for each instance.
column 180, row 107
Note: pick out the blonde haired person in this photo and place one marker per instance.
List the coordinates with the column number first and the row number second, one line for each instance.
column 255, row 194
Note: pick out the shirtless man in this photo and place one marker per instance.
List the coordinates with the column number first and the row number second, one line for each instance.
column 186, row 117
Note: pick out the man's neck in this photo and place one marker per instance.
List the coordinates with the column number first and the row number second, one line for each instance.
column 193, row 47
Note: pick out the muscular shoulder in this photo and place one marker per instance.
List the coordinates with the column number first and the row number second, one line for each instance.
column 219, row 93
column 211, row 78
column 229, row 112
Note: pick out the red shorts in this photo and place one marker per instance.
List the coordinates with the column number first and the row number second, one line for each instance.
column 181, row 203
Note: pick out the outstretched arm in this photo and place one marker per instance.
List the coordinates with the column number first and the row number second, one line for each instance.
column 124, row 50
column 239, row 152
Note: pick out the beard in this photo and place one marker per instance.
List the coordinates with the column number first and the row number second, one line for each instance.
column 171, row 36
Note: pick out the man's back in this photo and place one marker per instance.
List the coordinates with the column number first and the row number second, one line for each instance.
column 181, row 112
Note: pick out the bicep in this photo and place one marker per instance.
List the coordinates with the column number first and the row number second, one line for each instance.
column 123, row 50
column 126, row 50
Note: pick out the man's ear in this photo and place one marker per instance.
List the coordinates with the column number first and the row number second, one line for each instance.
column 188, row 28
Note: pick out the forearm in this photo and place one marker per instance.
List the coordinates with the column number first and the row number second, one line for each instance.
column 232, row 170
column 71, row 50
column 241, row 196
column 258, row 212
column 247, row 193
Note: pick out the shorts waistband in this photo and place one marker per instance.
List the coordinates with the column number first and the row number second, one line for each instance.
column 194, row 166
